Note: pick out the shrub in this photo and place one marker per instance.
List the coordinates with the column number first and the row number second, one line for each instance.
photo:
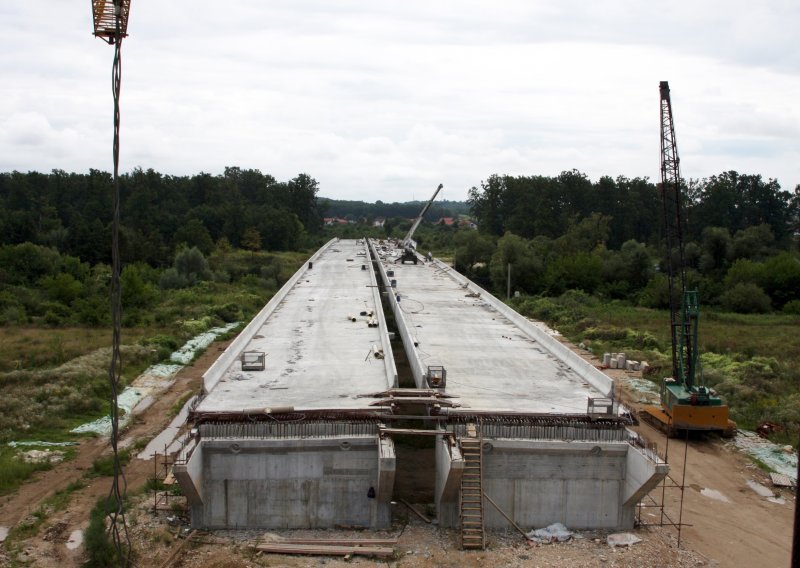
column 136, row 292
column 746, row 298
column 100, row 550
column 229, row 312
column 606, row 333
column 782, row 278
column 62, row 288
column 13, row 315
column 171, row 279
column 656, row 293
column 792, row 307
column 192, row 265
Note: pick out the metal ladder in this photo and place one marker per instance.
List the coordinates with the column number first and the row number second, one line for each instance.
column 472, row 533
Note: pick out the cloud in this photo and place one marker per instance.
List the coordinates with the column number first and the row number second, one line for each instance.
column 382, row 100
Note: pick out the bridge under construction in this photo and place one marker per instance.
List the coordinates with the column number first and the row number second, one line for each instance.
column 298, row 417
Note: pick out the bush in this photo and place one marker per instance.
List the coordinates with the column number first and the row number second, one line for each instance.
column 746, row 298
column 782, row 278
column 100, row 550
column 656, row 293
column 171, row 279
column 606, row 333
column 159, row 341
column 192, row 265
column 13, row 315
column 792, row 308
column 136, row 292
column 230, row 312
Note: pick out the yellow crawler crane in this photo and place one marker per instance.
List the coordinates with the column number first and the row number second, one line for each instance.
column 685, row 404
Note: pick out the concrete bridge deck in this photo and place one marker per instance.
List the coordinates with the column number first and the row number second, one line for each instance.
column 303, row 443
column 496, row 360
column 321, row 351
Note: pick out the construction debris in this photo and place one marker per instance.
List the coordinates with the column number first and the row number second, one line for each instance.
column 780, row 480
column 40, row 456
column 765, row 451
column 759, row 489
column 622, row 539
column 549, row 534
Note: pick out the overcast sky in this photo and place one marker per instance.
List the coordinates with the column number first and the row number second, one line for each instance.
column 384, row 100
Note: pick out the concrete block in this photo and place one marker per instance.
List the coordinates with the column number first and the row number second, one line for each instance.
column 539, row 482
column 449, row 469
column 643, row 473
column 292, row 483
column 386, row 470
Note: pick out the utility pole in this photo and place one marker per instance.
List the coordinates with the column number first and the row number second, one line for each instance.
column 508, row 285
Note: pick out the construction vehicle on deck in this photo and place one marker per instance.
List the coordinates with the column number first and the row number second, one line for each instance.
column 408, row 244
column 687, row 404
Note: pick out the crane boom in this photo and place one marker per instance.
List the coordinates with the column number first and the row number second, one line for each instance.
column 685, row 404
column 681, row 324
column 407, row 242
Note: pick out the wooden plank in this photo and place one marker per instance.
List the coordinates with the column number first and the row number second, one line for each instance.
column 412, row 431
column 177, row 551
column 419, row 513
column 341, row 541
column 509, row 519
column 324, row 550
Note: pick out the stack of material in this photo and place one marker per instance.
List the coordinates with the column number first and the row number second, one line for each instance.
column 379, row 547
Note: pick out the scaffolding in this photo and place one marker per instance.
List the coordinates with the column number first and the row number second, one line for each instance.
column 163, row 484
column 657, row 499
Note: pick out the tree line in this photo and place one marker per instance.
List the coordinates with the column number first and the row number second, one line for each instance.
column 557, row 233
column 71, row 212
column 361, row 210
column 604, row 237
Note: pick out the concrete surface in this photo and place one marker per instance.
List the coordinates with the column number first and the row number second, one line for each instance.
column 493, row 362
column 292, row 483
column 316, row 357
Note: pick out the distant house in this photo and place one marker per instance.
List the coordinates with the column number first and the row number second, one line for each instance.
column 334, row 221
column 378, row 222
column 449, row 221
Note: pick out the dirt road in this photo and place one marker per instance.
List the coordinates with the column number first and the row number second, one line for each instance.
column 723, row 517
column 59, row 525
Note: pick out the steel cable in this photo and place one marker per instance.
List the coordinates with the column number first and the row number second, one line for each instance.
column 115, row 503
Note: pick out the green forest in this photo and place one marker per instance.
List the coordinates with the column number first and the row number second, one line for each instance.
column 585, row 256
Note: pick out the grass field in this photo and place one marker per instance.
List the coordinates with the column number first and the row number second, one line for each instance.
column 753, row 361
column 36, row 347
column 54, row 378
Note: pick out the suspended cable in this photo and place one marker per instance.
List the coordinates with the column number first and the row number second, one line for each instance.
column 115, row 504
